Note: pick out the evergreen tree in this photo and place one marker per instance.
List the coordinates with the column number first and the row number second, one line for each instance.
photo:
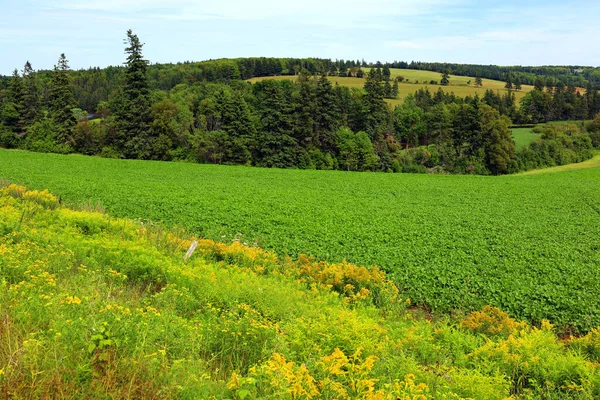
column 275, row 146
column 306, row 109
column 387, row 88
column 478, row 81
column 377, row 114
column 327, row 115
column 133, row 109
column 509, row 84
column 445, row 79
column 395, row 90
column 30, row 102
column 360, row 73
column 61, row 101
column 517, row 83
column 10, row 114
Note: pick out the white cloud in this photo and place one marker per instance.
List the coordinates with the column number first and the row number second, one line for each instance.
column 307, row 10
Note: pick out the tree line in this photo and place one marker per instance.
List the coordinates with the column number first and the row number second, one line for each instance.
column 574, row 75
column 306, row 123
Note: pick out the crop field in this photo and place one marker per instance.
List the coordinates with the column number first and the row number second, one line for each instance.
column 527, row 243
column 458, row 84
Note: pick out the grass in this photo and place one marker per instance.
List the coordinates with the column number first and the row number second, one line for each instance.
column 92, row 306
column 523, row 137
column 458, row 84
column 591, row 163
column 521, row 243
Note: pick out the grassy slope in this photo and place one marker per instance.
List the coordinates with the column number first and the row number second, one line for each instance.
column 518, row 242
column 591, row 163
column 97, row 307
column 458, row 84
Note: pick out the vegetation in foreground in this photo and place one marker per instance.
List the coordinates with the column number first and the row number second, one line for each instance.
column 98, row 307
column 523, row 243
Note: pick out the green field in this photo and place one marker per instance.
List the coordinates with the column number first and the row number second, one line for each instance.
column 458, row 84
column 524, row 136
column 523, row 243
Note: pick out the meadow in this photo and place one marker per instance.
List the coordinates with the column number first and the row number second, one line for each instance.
column 93, row 306
column 416, row 79
column 522, row 243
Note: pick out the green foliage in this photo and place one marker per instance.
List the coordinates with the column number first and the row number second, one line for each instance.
column 449, row 242
column 41, row 137
column 103, row 307
column 558, row 145
column 61, row 102
column 356, row 152
column 132, row 109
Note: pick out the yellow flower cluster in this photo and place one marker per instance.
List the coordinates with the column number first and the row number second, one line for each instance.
column 354, row 282
column 44, row 197
column 492, row 321
column 71, row 300
column 335, row 376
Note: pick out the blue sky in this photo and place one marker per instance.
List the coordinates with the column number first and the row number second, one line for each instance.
column 508, row 32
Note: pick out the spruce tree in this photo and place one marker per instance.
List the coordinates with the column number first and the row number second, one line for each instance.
column 30, row 102
column 61, row 100
column 10, row 114
column 445, row 79
column 133, row 108
column 509, row 84
column 395, row 89
column 517, row 83
column 327, row 115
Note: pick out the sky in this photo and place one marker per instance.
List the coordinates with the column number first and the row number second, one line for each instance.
column 508, row 32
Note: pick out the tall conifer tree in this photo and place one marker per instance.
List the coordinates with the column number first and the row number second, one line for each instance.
column 133, row 109
column 61, row 100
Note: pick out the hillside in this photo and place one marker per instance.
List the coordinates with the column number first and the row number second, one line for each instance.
column 93, row 306
column 417, row 79
column 448, row 242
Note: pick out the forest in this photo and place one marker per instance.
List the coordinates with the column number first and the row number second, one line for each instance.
column 206, row 112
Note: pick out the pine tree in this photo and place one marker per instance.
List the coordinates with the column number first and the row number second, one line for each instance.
column 61, row 100
column 133, row 109
column 478, row 81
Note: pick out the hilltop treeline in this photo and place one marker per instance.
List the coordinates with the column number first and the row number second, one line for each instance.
column 95, row 85
column 578, row 76
column 206, row 113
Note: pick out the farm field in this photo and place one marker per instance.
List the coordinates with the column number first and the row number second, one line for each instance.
column 458, row 84
column 99, row 307
column 523, row 243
